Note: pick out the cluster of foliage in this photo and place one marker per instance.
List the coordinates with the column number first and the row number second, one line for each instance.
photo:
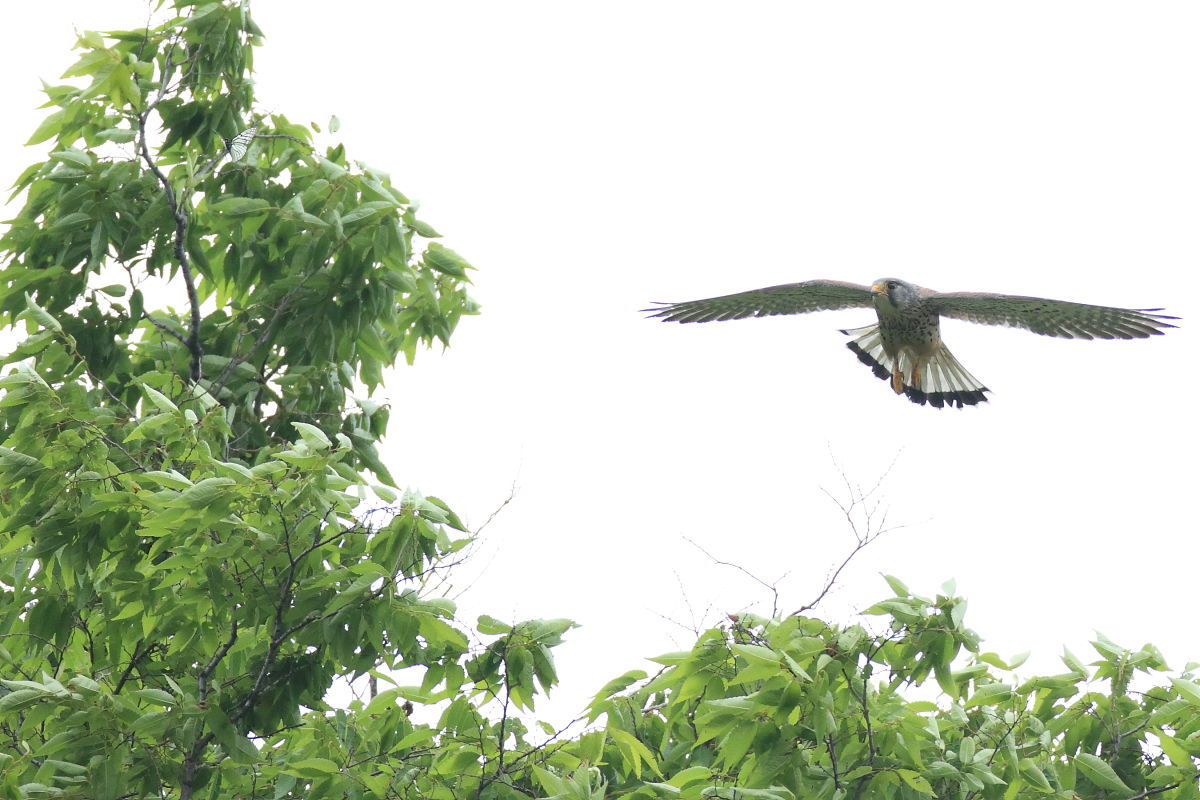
column 185, row 568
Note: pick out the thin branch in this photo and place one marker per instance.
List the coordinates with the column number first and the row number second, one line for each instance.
column 837, row 783
column 1161, row 789
column 202, row 687
column 181, row 225
column 871, row 526
column 467, row 551
column 191, row 762
column 162, row 326
column 770, row 586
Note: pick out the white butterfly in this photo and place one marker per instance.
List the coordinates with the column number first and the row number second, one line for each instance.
column 238, row 145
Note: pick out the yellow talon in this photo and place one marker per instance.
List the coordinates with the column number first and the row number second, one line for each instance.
column 897, row 380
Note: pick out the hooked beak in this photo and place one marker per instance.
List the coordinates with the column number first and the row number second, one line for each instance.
column 878, row 288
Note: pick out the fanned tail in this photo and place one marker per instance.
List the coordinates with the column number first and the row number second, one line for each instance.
column 944, row 381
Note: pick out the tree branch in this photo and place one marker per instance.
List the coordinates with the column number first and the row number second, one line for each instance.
column 191, row 762
column 181, row 227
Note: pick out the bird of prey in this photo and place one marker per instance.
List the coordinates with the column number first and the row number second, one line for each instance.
column 905, row 346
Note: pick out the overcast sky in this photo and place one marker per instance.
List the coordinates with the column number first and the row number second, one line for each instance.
column 591, row 157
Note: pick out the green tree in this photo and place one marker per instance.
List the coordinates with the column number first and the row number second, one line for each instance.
column 186, row 566
column 184, row 569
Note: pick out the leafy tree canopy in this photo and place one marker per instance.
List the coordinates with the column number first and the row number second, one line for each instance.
column 186, row 568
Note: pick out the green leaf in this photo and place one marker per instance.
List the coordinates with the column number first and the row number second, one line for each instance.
column 313, row 436
column 1188, row 690
column 491, row 625
column 311, row 767
column 1074, row 663
column 634, row 750
column 734, row 746
column 21, row 698
column 105, row 777
column 365, row 210
column 1033, row 774
column 159, row 399
column 418, row 737
column 72, row 220
column 1100, row 773
column 1173, row 750
column 157, row 696
column 51, row 126
column 39, row 315
column 241, row 206
column 73, row 156
column 897, row 586
column 234, row 743
column 205, row 492
column 915, row 780
column 756, row 652
column 443, row 259
column 989, row 694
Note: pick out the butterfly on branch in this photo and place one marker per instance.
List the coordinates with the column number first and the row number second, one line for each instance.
column 238, row 145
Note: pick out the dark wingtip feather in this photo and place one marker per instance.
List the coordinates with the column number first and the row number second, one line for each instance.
column 667, row 312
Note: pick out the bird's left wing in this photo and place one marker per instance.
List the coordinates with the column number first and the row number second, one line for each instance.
column 1050, row 317
column 790, row 298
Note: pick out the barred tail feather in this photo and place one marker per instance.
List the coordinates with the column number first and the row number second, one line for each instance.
column 944, row 381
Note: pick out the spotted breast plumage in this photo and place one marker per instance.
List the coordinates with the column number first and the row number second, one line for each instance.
column 905, row 346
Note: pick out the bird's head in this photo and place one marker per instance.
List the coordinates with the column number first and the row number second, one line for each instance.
column 893, row 291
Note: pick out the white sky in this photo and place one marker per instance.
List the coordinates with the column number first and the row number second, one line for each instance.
column 591, row 157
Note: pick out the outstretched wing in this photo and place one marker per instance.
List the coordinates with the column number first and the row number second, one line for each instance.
column 790, row 298
column 1050, row 317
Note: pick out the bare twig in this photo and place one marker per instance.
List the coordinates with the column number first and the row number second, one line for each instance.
column 772, row 587
column 867, row 523
column 434, row 587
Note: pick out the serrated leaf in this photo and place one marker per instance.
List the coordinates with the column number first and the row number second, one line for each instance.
column 39, row 315
column 72, row 220
column 269, row 468
column 159, row 399
column 21, row 698
column 364, row 210
column 1188, row 690
column 241, row 206
column 491, row 625
column 157, row 696
column 1100, row 773
column 1033, row 775
column 205, row 491
column 915, row 780
column 172, row 479
column 313, row 436
column 234, row 743
column 1074, row 663
column 312, row 767
column 105, row 777
column 443, row 259
column 73, row 156
column 989, row 694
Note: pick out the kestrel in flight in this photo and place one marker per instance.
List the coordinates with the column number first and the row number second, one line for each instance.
column 905, row 346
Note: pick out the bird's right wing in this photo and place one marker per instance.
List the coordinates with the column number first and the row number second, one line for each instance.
column 1050, row 317
column 790, row 298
